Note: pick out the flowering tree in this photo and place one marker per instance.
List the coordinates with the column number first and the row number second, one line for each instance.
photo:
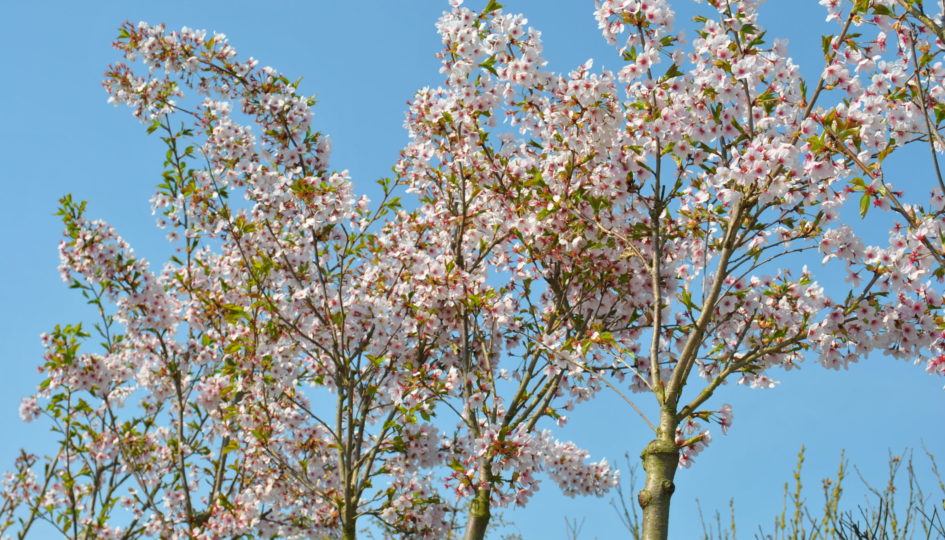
column 287, row 362
column 309, row 359
column 266, row 300
column 665, row 207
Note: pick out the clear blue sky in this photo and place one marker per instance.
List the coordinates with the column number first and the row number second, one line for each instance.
column 364, row 60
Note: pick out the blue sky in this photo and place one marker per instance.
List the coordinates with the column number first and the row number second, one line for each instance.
column 364, row 63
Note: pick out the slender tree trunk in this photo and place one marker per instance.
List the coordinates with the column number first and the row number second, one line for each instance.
column 349, row 529
column 479, row 507
column 660, row 460
column 349, row 512
column 478, row 516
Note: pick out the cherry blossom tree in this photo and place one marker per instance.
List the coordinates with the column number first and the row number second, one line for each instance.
column 287, row 362
column 666, row 206
column 267, row 299
column 274, row 308
column 309, row 359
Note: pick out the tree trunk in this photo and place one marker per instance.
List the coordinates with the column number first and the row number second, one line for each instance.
column 479, row 508
column 349, row 520
column 349, row 530
column 660, row 460
column 478, row 516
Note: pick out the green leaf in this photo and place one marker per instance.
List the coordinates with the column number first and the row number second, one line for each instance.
column 825, row 42
column 748, row 29
column 233, row 312
column 492, row 6
column 939, row 113
column 230, row 447
column 489, row 65
column 865, row 204
column 686, row 299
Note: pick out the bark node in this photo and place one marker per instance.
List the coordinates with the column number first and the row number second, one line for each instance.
column 478, row 515
column 660, row 460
